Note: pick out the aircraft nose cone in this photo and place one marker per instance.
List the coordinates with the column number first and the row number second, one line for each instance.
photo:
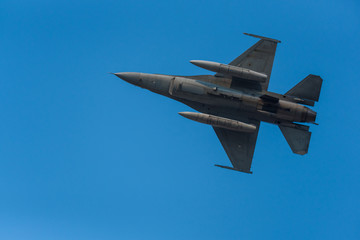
column 311, row 116
column 130, row 77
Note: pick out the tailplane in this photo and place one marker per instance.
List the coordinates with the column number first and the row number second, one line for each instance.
column 308, row 89
column 298, row 138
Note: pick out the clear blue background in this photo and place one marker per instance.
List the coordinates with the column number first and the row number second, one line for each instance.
column 84, row 155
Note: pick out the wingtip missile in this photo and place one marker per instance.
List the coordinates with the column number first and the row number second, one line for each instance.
column 261, row 37
column 230, row 168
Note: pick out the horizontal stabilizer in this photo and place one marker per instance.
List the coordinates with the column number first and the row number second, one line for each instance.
column 308, row 89
column 298, row 139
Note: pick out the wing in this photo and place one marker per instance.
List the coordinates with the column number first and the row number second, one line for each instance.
column 238, row 146
column 259, row 58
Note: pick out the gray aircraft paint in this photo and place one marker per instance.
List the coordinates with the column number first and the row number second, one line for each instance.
column 235, row 100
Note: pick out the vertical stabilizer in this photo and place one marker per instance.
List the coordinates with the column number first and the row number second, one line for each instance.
column 308, row 89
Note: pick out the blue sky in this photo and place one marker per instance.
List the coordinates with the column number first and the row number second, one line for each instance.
column 84, row 155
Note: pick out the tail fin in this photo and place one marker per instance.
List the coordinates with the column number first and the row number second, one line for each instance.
column 308, row 89
column 297, row 138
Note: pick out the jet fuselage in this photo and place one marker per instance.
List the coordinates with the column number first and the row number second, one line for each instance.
column 235, row 100
column 258, row 105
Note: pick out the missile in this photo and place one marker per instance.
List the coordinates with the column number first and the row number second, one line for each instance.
column 231, row 70
column 219, row 121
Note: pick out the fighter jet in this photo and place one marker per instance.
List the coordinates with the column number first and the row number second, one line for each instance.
column 235, row 100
